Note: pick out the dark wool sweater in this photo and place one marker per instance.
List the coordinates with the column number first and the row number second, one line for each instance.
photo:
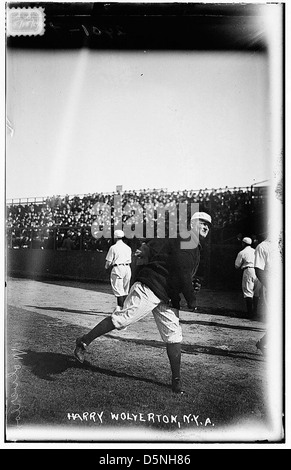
column 170, row 270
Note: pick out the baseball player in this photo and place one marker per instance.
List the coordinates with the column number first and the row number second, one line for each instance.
column 119, row 259
column 250, row 283
column 170, row 272
column 266, row 262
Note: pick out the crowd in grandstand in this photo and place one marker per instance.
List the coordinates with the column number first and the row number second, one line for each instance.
column 65, row 222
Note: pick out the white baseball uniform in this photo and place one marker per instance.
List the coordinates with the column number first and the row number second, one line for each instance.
column 119, row 257
column 263, row 254
column 250, row 283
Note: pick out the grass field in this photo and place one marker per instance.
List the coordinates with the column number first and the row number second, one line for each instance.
column 122, row 391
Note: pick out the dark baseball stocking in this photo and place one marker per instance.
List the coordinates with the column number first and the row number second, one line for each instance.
column 102, row 328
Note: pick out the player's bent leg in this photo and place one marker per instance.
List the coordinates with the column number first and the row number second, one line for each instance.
column 83, row 342
column 167, row 320
column 139, row 303
column 100, row 329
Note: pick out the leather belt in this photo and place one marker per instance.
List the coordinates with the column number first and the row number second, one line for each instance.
column 120, row 264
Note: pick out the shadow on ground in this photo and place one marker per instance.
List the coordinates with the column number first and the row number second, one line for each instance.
column 67, row 310
column 46, row 365
column 197, row 349
column 222, row 325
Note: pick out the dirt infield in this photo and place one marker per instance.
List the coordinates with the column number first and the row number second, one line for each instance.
column 121, row 392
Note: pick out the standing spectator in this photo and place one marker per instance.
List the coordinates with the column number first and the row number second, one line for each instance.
column 250, row 283
column 50, row 241
column 119, row 259
column 68, row 243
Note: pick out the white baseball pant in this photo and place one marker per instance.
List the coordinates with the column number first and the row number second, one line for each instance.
column 250, row 283
column 139, row 303
column 120, row 280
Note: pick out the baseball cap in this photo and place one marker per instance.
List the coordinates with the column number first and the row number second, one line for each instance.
column 202, row 216
column 118, row 234
column 247, row 240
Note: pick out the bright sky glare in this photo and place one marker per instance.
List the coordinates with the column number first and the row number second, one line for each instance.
column 85, row 121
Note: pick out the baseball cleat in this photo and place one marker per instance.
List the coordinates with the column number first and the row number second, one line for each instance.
column 176, row 387
column 80, row 350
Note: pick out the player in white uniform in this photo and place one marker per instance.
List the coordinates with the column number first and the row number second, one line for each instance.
column 119, row 259
column 250, row 283
column 262, row 264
